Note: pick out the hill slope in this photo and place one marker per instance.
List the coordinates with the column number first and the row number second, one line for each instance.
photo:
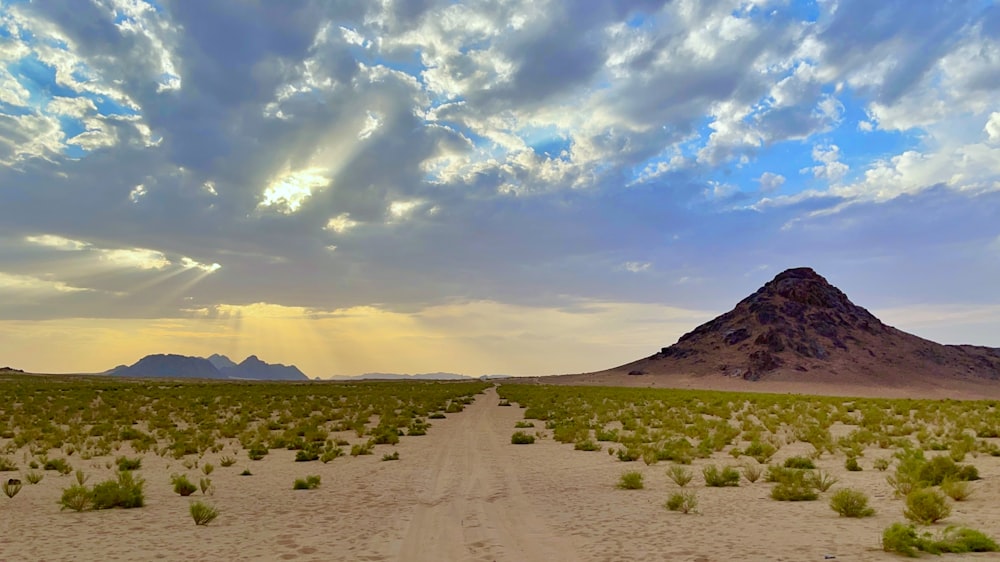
column 798, row 328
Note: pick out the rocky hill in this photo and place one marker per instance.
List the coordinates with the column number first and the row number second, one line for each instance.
column 798, row 327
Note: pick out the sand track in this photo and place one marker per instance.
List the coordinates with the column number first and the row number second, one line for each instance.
column 471, row 505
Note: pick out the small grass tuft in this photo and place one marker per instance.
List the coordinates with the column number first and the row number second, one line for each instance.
column 307, row 483
column 630, row 480
column 202, row 513
column 11, row 487
column 679, row 474
column 522, row 438
column 684, row 502
column 926, row 506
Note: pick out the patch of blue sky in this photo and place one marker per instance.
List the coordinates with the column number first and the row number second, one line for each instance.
column 71, row 127
column 856, row 144
column 545, row 140
column 785, row 158
column 39, row 79
column 106, row 106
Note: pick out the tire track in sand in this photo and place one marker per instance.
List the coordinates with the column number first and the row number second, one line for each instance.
column 470, row 505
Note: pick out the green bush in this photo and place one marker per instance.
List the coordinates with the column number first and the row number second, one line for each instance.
column 7, row 465
column 202, row 513
column 523, row 425
column 881, row 465
column 58, row 465
column 903, row 539
column 33, row 477
column 522, row 438
column 227, row 461
column 182, row 486
column 926, row 506
column 716, row 478
column 799, row 462
column 393, row 457
column 793, row 492
column 125, row 491
column 366, row 448
column 958, row 490
column 851, row 464
column 630, row 480
column 125, row 463
column 205, row 484
column 851, row 503
column 685, row 502
column 306, row 455
column 680, row 475
column 760, row 451
column 76, row 497
column 307, row 483
column 586, row 445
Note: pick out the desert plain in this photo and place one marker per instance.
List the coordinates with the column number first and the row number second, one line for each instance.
column 463, row 491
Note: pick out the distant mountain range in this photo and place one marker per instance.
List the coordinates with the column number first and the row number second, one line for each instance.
column 215, row 367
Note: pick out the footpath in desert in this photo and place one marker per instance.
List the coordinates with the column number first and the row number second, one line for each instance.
column 464, row 492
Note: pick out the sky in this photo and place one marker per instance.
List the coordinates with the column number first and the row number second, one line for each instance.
column 495, row 186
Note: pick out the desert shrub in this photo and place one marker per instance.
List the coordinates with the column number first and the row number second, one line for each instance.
column 964, row 539
column 822, row 481
column 33, row 477
column 58, row 465
column 904, row 539
column 851, row 464
column 437, row 416
column 958, row 490
column 523, row 425
column 393, row 457
column 685, row 502
column 881, row 465
column 586, row 445
column 227, row 461
column 256, row 452
column 306, row 455
column 680, row 475
column 941, row 468
column 205, row 484
column 307, row 483
column 926, row 506
column 365, row 448
column 752, row 472
column 630, row 480
column 522, row 438
column 504, row 403
column 330, row 453
column 793, row 492
column 125, row 463
column 182, row 485
column 207, row 468
column 799, row 462
column 628, row 454
column 606, row 435
column 125, row 491
column 792, row 484
column 202, row 513
column 81, row 477
column 7, row 465
column 76, row 497
column 246, row 472
column 11, row 487
column 386, row 436
column 760, row 451
column 851, row 503
column 715, row 478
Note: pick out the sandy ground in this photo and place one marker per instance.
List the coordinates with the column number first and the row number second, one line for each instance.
column 463, row 492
